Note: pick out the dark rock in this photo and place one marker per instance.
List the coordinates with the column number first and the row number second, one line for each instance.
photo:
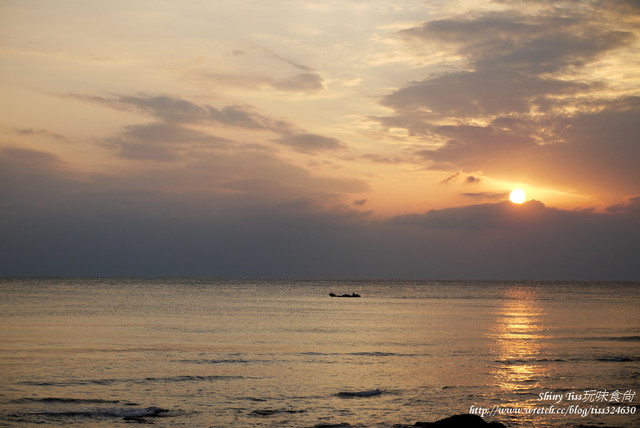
column 464, row 420
column 344, row 295
column 137, row 419
column 341, row 425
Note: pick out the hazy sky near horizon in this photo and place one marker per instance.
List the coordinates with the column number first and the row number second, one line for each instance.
column 320, row 138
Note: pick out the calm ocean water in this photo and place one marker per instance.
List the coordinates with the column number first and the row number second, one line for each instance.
column 236, row 353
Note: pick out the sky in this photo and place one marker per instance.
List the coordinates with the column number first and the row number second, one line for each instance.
column 320, row 138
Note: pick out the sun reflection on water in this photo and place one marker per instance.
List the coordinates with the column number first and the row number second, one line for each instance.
column 519, row 341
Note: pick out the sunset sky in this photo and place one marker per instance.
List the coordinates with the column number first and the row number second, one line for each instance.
column 320, row 138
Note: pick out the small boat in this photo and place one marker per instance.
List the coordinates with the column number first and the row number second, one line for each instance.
column 344, row 295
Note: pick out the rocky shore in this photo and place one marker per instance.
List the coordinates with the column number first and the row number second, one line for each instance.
column 456, row 421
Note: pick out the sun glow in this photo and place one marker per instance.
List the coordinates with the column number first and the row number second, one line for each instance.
column 517, row 196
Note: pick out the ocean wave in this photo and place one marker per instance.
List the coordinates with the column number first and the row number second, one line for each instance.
column 366, row 393
column 515, row 361
column 618, row 359
column 462, row 387
column 68, row 400
column 258, row 400
column 625, row 338
column 218, row 361
column 272, row 412
column 118, row 412
column 606, row 358
column 188, row 378
column 378, row 354
column 185, row 378
column 609, row 338
column 360, row 354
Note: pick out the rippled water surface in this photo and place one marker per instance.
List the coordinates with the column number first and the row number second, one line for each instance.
column 186, row 352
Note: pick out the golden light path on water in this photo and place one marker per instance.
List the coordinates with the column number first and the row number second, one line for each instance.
column 520, row 347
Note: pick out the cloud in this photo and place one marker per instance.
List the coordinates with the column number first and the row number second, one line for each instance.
column 161, row 141
column 451, row 178
column 235, row 179
column 543, row 43
column 31, row 131
column 492, row 196
column 125, row 226
column 472, row 147
column 538, row 93
column 277, row 57
column 33, row 158
column 243, row 211
column 255, row 216
column 310, row 143
column 604, row 141
column 533, row 240
column 168, row 138
column 631, row 6
column 34, row 177
column 306, row 82
column 512, row 59
column 482, row 92
column 275, row 74
column 178, row 110
column 377, row 158
column 593, row 150
column 631, row 204
column 301, row 82
column 485, row 216
column 523, row 104
column 417, row 122
column 470, row 179
column 171, row 137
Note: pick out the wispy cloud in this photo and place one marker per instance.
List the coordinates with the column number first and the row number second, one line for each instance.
column 451, row 178
column 164, row 139
column 487, row 196
column 306, row 82
column 293, row 77
column 179, row 110
column 309, row 143
column 32, row 131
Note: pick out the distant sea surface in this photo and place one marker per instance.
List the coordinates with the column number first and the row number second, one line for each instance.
column 98, row 352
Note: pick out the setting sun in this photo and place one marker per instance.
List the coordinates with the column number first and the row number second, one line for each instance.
column 517, row 196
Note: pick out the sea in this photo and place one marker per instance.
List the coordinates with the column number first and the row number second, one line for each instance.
column 102, row 352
